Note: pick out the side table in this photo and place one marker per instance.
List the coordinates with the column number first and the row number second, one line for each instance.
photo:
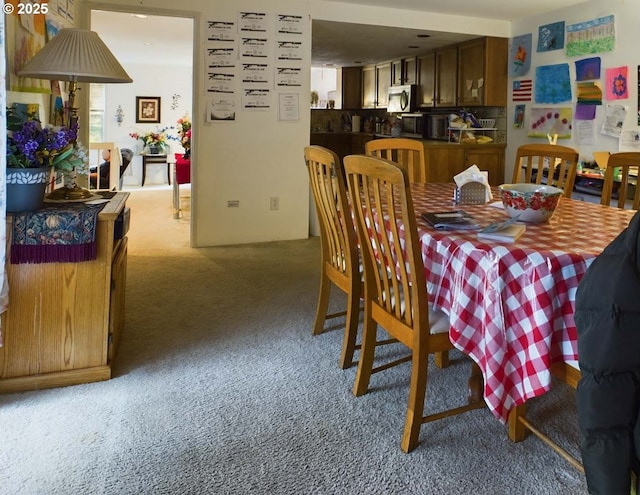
column 155, row 159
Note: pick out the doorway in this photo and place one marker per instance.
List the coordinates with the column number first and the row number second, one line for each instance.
column 157, row 53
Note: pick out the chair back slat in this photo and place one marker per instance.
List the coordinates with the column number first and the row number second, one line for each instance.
column 627, row 164
column 337, row 232
column 552, row 164
column 408, row 153
column 393, row 269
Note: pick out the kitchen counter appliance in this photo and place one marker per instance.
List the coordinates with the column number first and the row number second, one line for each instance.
column 402, row 99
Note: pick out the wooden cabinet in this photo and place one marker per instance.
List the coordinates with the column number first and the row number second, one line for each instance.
column 426, row 79
column 446, row 77
column 383, row 83
column 482, row 72
column 351, row 87
column 490, row 158
column 369, row 87
column 338, row 142
column 404, row 71
column 444, row 161
column 376, row 81
column 65, row 319
column 358, row 140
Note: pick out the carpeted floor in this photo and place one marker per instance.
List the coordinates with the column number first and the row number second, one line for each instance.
column 220, row 388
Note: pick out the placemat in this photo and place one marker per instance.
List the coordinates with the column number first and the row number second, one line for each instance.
column 57, row 233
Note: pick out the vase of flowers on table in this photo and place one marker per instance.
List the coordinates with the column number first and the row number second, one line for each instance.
column 184, row 135
column 35, row 152
column 154, row 142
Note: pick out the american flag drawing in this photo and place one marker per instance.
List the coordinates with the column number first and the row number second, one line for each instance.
column 522, row 90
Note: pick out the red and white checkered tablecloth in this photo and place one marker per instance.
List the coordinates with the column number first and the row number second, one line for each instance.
column 511, row 305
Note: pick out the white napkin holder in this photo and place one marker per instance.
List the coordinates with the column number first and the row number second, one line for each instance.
column 472, row 186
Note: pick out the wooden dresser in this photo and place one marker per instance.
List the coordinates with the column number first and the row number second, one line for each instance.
column 65, row 319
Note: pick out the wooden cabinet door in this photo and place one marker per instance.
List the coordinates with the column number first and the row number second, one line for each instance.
column 351, row 87
column 471, row 81
column 443, row 162
column 383, row 83
column 117, row 302
column 487, row 158
column 410, row 70
column 369, row 87
column 495, row 72
column 426, row 79
column 397, row 73
column 446, row 76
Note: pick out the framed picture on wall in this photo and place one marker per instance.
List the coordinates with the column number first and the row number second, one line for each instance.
column 147, row 109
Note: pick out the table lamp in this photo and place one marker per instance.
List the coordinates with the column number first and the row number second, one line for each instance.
column 75, row 55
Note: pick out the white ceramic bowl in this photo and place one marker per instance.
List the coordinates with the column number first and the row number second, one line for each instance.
column 533, row 203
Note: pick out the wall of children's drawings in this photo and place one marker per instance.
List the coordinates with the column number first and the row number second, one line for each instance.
column 573, row 78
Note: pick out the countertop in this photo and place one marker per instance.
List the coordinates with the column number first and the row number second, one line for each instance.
column 427, row 142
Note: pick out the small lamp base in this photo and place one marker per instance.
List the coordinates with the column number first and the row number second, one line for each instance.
column 73, row 193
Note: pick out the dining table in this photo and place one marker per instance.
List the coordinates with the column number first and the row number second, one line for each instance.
column 511, row 305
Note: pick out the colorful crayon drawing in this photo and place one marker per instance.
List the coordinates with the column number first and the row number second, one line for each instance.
column 595, row 36
column 550, row 121
column 520, row 58
column 552, row 84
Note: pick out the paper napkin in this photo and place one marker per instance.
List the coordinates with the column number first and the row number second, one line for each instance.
column 474, row 174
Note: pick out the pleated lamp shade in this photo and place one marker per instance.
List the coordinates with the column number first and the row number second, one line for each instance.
column 76, row 55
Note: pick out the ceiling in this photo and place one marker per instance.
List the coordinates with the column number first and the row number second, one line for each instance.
column 142, row 41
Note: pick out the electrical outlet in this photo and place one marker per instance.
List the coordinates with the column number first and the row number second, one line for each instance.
column 233, row 203
column 275, row 203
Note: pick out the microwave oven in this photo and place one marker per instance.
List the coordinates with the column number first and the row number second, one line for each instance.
column 413, row 125
column 402, row 99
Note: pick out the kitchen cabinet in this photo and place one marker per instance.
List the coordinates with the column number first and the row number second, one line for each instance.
column 482, row 72
column 489, row 158
column 426, row 67
column 446, row 77
column 369, row 87
column 383, row 83
column 444, row 161
column 358, row 140
column 64, row 320
column 351, row 88
column 338, row 142
column 404, row 71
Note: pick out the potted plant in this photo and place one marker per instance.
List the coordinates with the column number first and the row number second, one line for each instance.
column 34, row 151
column 184, row 134
column 154, row 142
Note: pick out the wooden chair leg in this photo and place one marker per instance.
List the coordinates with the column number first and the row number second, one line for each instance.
column 323, row 303
column 367, row 350
column 517, row 430
column 441, row 359
column 415, row 408
column 351, row 330
column 475, row 384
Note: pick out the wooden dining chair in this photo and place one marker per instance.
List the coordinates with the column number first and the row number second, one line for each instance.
column 628, row 165
column 340, row 258
column 408, row 153
column 395, row 288
column 533, row 158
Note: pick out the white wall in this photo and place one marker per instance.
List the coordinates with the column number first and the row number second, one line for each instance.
column 627, row 19
column 146, row 77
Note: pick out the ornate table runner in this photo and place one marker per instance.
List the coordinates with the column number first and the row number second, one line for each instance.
column 56, row 233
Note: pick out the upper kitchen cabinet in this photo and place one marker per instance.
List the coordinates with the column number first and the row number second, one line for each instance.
column 446, row 77
column 376, row 81
column 383, row 83
column 426, row 67
column 404, row 71
column 482, row 72
column 351, row 87
column 369, row 87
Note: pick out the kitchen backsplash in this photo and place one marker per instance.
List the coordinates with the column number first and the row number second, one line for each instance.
column 327, row 120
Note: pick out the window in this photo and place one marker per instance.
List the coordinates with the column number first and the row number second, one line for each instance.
column 96, row 112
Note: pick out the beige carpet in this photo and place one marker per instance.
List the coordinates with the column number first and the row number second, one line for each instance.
column 219, row 388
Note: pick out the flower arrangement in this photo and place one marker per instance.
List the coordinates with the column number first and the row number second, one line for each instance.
column 184, row 134
column 154, row 139
column 32, row 145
